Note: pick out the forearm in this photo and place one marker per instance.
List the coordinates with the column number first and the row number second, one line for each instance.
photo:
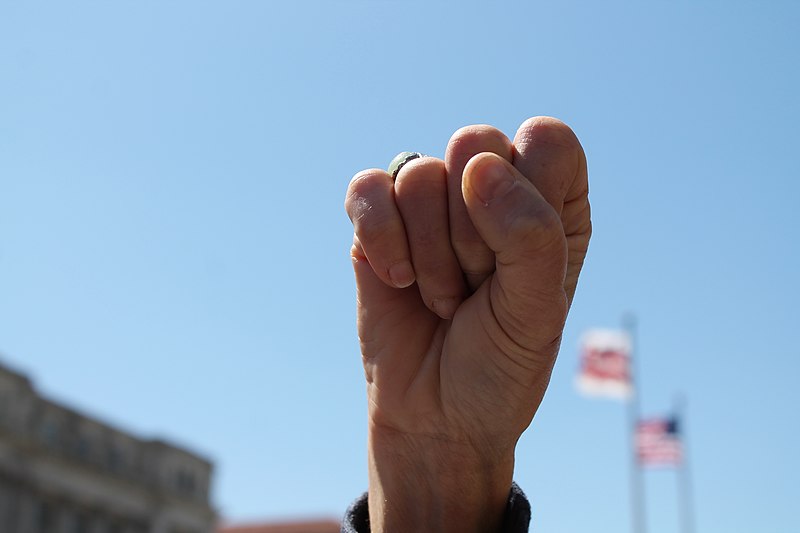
column 428, row 485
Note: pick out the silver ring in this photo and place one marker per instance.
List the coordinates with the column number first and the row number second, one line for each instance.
column 400, row 160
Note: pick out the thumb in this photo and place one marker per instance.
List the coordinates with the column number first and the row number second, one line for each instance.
column 525, row 232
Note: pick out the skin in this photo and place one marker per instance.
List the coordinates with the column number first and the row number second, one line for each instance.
column 465, row 270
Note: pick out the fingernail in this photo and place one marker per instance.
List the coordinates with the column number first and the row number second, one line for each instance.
column 402, row 274
column 445, row 307
column 495, row 182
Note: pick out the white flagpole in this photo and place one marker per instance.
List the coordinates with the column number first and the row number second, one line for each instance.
column 639, row 522
column 684, row 477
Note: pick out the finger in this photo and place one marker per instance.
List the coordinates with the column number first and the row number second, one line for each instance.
column 392, row 358
column 379, row 228
column 549, row 154
column 371, row 291
column 421, row 196
column 380, row 306
column 525, row 233
column 475, row 258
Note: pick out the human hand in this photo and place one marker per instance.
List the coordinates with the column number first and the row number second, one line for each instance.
column 465, row 270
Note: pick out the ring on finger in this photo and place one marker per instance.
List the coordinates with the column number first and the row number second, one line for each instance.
column 400, row 160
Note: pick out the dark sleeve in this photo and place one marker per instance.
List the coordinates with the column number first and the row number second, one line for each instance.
column 516, row 520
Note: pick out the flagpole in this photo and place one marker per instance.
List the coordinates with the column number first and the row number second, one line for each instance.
column 639, row 523
column 684, row 477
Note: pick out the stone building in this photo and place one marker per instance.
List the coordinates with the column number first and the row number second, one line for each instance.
column 64, row 472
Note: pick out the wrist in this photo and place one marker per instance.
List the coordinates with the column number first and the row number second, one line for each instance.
column 422, row 483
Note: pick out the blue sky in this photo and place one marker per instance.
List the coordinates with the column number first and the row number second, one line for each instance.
column 174, row 252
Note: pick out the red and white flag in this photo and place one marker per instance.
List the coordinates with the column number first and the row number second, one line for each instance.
column 605, row 364
column 658, row 442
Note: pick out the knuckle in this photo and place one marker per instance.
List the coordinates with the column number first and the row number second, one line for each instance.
column 366, row 183
column 471, row 140
column 359, row 181
column 364, row 189
column 421, row 177
column 474, row 132
column 548, row 130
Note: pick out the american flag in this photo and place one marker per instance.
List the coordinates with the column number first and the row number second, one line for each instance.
column 658, row 442
column 605, row 364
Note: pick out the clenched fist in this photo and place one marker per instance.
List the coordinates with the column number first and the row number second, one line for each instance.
column 465, row 270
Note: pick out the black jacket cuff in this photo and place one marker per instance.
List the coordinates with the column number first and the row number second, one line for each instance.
column 517, row 518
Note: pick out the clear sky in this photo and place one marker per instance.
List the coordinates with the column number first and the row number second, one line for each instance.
column 174, row 251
